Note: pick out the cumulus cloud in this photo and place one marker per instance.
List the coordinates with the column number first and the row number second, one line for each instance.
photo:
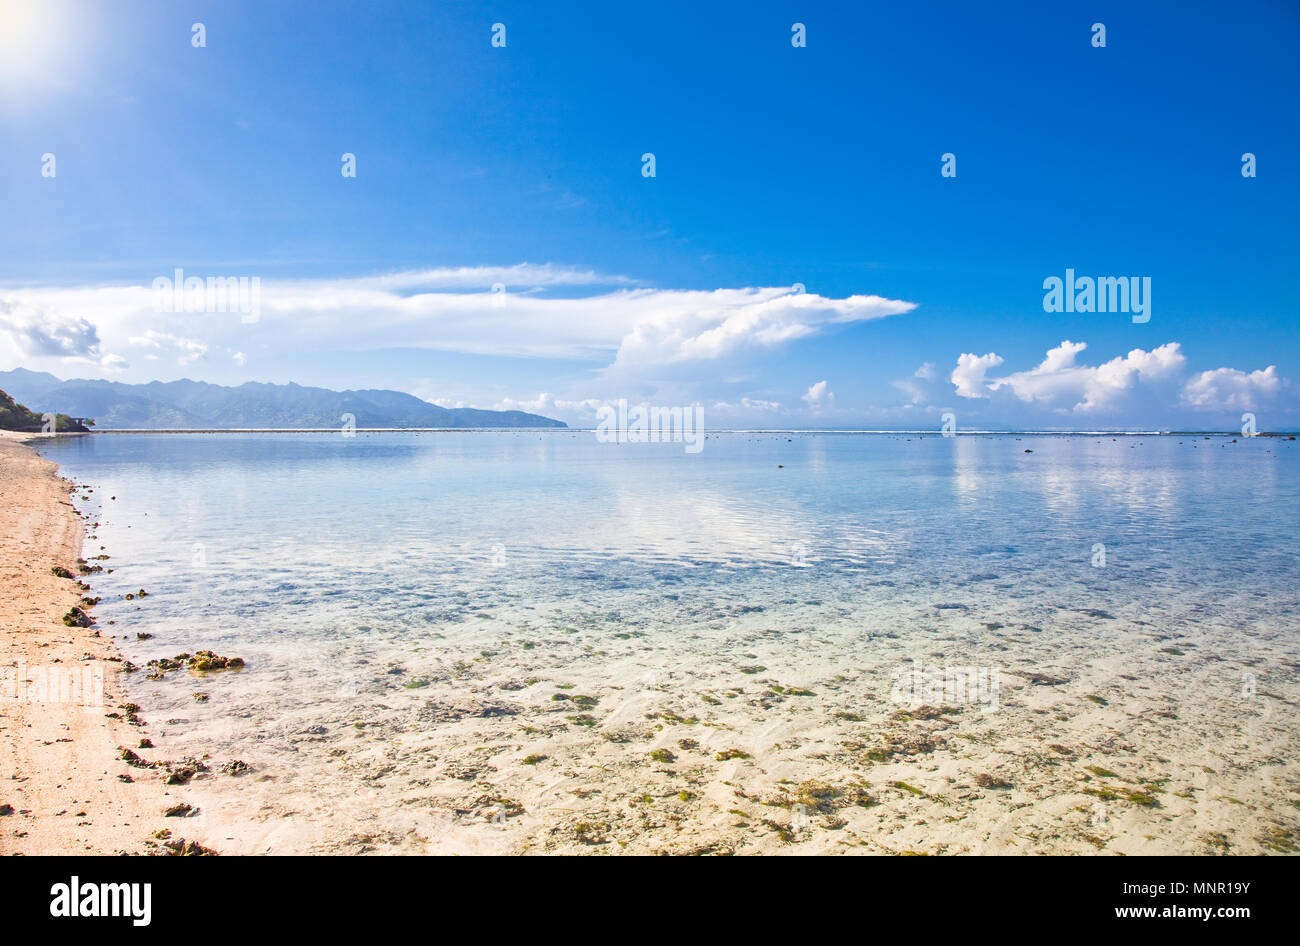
column 819, row 394
column 37, row 332
column 1063, row 384
column 1091, row 387
column 968, row 376
column 1232, row 389
column 550, row 406
column 926, row 372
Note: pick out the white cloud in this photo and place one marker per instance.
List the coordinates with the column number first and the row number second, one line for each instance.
column 239, row 358
column 1061, row 383
column 968, row 376
column 1059, row 377
column 519, row 277
column 681, row 326
column 186, row 350
column 1232, row 389
column 819, row 394
column 747, row 406
column 918, row 394
column 911, row 389
column 552, row 406
column 454, row 309
column 36, row 332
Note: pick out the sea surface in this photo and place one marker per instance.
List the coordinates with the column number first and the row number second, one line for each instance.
column 285, row 540
column 340, row 567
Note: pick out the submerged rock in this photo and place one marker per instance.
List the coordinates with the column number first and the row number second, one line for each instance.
column 203, row 662
column 1095, row 613
column 206, row 660
column 1037, row 678
column 77, row 618
column 436, row 712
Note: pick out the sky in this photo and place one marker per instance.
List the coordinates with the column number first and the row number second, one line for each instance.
column 799, row 257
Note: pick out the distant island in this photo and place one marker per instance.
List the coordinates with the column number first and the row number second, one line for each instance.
column 14, row 416
column 189, row 405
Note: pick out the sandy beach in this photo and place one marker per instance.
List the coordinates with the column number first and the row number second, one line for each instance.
column 63, row 786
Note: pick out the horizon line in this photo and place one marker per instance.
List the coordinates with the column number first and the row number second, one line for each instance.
column 714, row 430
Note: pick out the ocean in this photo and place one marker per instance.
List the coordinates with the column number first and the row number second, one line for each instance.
column 366, row 578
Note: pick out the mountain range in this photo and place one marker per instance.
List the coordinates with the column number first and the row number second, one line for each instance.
column 186, row 404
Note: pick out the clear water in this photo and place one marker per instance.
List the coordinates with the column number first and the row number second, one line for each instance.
column 328, row 561
column 274, row 534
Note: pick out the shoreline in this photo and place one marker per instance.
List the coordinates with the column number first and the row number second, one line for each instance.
column 64, row 787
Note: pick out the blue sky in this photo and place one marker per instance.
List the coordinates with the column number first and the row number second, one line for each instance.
column 775, row 165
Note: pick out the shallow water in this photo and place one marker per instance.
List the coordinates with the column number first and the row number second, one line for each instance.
column 292, row 535
column 353, row 572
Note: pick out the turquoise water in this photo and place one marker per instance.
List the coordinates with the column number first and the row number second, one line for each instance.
column 292, row 534
column 311, row 549
column 374, row 583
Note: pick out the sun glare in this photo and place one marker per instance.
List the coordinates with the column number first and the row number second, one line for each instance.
column 32, row 32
